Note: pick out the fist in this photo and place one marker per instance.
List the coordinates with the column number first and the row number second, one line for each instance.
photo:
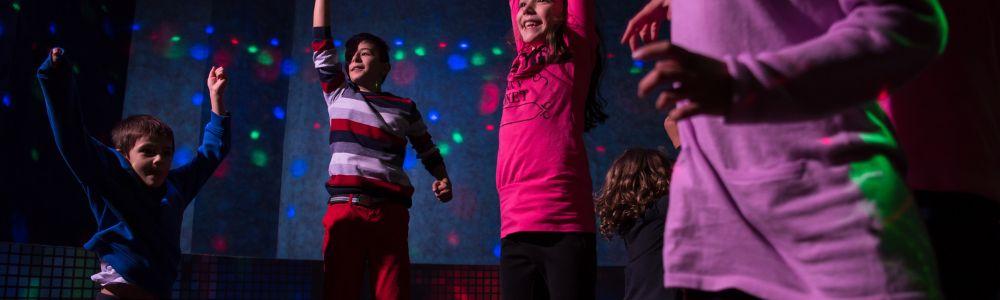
column 56, row 55
column 442, row 189
column 217, row 80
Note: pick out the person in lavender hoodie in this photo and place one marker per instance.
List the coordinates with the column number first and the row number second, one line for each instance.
column 789, row 183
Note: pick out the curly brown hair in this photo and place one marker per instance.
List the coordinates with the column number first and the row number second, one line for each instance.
column 635, row 179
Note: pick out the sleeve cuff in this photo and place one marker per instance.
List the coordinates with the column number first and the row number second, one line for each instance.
column 322, row 33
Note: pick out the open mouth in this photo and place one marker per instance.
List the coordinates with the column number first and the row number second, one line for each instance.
column 531, row 24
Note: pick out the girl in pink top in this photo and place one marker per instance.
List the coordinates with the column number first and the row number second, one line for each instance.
column 543, row 180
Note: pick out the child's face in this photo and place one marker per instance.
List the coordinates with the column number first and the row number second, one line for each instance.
column 535, row 18
column 365, row 68
column 151, row 158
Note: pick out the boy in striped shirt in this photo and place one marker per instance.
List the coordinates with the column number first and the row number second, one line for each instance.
column 367, row 215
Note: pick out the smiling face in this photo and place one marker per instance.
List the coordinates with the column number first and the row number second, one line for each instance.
column 535, row 18
column 151, row 158
column 366, row 69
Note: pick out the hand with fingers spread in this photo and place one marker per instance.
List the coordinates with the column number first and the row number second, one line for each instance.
column 645, row 25
column 442, row 189
column 703, row 81
column 217, row 82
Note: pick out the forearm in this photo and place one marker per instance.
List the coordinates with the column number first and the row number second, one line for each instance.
column 218, row 105
column 439, row 172
column 319, row 14
column 71, row 138
column 877, row 45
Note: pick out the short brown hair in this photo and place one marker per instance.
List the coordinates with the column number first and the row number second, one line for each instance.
column 635, row 179
column 131, row 129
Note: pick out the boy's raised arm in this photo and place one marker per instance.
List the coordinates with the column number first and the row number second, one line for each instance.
column 215, row 142
column 88, row 159
column 331, row 75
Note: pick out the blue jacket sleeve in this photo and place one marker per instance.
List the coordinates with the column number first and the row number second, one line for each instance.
column 93, row 164
column 189, row 178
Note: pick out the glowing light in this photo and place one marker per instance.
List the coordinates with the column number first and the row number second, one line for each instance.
column 175, row 38
column 442, row 45
column 489, row 99
column 290, row 212
column 279, row 113
column 198, row 98
column 445, row 149
column 410, row 160
column 275, row 42
column 299, row 168
column 497, row 51
column 403, row 73
column 420, row 51
column 209, row 29
column 637, row 63
column 610, row 56
column 111, row 89
column 635, row 70
column 316, row 125
column 6, row 100
column 219, row 243
column 490, row 127
column 601, row 149
column 254, row 134
column 478, row 59
column 463, row 45
column 496, row 250
column 288, row 67
column 457, row 137
column 182, row 156
column 399, row 55
column 457, row 62
column 16, row 6
column 433, row 116
column 34, row 154
column 136, row 27
column 234, row 41
column 253, row 49
column 397, row 42
column 258, row 158
column 453, row 238
column 199, row 52
column 52, row 28
column 265, row 58
column 337, row 43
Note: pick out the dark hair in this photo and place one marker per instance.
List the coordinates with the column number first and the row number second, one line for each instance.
column 131, row 129
column 379, row 43
column 635, row 179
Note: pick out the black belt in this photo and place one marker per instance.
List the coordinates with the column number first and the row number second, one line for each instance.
column 358, row 199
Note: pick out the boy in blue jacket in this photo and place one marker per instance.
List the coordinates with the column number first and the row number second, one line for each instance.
column 136, row 199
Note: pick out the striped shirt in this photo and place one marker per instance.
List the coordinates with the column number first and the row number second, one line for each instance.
column 368, row 132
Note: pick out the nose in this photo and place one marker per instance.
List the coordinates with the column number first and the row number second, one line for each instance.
column 529, row 8
column 356, row 58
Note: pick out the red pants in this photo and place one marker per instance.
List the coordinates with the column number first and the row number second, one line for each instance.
column 356, row 233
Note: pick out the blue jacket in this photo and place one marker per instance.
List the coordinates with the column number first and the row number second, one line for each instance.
column 138, row 228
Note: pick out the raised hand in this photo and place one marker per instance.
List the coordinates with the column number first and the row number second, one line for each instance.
column 56, row 54
column 217, row 82
column 442, row 189
column 703, row 81
column 645, row 25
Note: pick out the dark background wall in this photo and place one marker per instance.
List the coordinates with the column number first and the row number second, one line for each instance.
column 267, row 199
